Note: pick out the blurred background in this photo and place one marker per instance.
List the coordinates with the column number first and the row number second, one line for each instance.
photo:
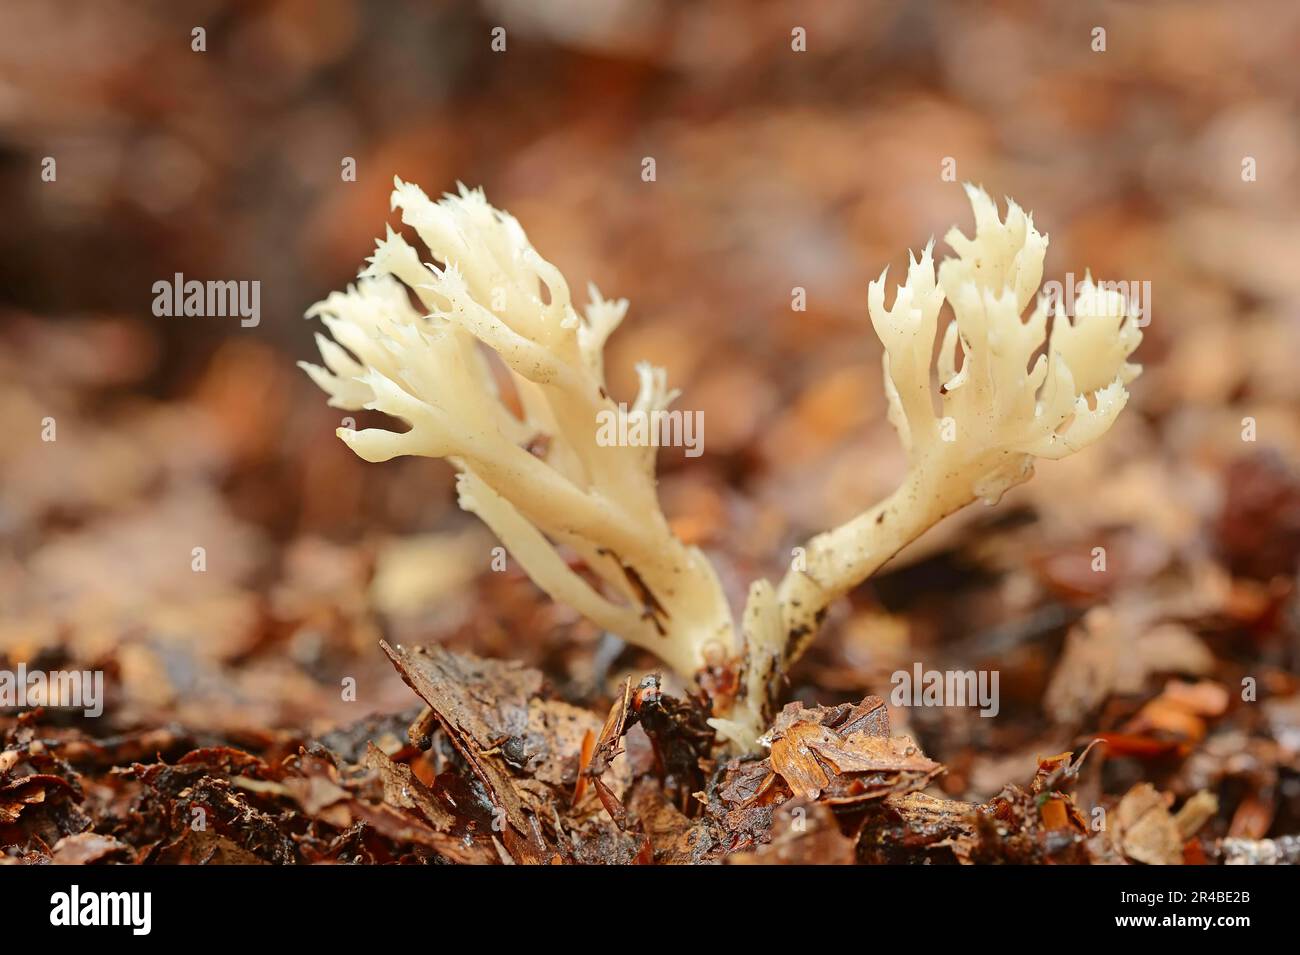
column 1170, row 156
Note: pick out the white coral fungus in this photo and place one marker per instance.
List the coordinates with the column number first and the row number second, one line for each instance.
column 412, row 338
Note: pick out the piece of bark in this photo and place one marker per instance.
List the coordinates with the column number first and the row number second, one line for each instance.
column 403, row 790
column 480, row 704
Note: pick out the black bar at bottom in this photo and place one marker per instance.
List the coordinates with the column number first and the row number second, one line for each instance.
column 345, row 905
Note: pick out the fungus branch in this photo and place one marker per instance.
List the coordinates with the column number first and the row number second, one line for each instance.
column 994, row 403
column 488, row 289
